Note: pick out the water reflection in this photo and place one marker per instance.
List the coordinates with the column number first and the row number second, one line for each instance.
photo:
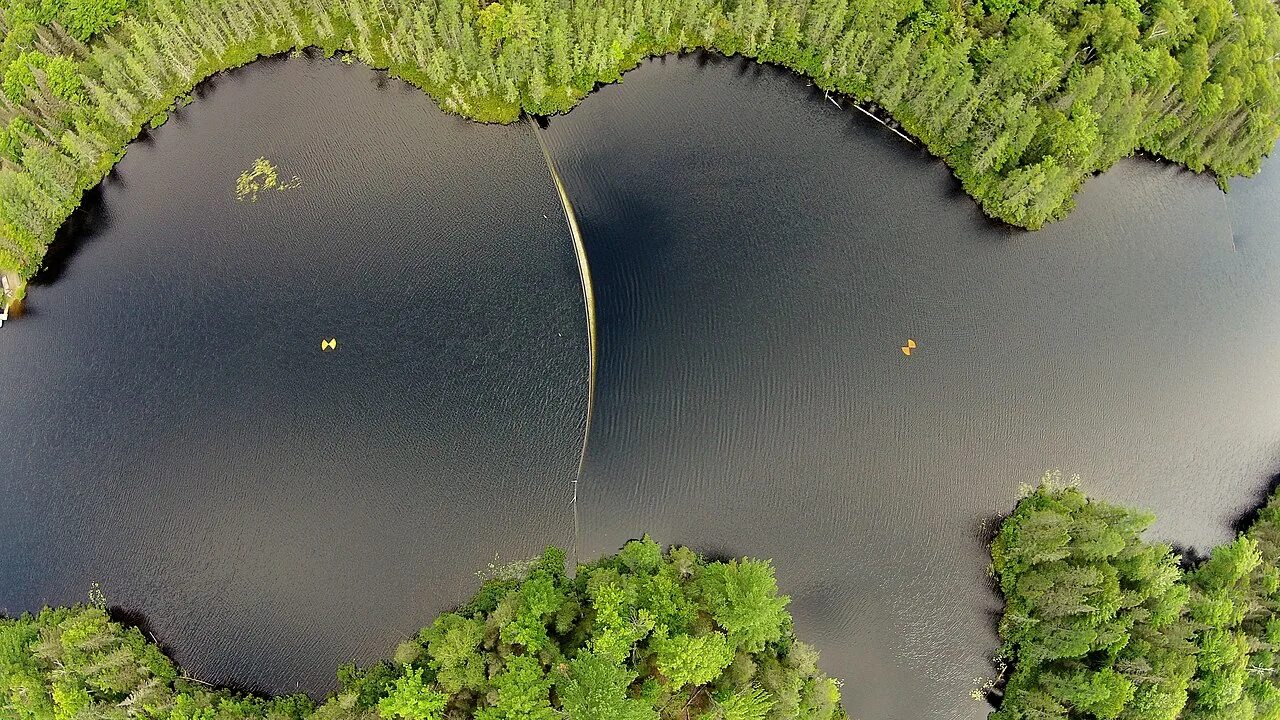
column 759, row 258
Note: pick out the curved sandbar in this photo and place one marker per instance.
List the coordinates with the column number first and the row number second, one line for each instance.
column 589, row 306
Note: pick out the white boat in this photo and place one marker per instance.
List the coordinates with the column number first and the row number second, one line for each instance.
column 4, row 294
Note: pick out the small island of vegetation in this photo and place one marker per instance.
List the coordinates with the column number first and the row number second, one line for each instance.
column 1100, row 624
column 1022, row 98
column 263, row 176
column 641, row 635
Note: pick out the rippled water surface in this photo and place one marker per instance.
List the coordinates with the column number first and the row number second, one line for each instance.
column 759, row 257
column 173, row 430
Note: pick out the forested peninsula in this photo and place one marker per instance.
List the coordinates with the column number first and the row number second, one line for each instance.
column 640, row 635
column 1022, row 98
column 1100, row 624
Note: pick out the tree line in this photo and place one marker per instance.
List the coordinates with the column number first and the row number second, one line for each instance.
column 1100, row 624
column 640, row 635
column 1023, row 98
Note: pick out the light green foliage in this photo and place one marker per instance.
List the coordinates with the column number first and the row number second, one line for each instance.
column 263, row 176
column 619, row 624
column 64, row 79
column 1228, row 589
column 76, row 663
column 70, row 699
column 743, row 598
column 698, row 660
column 86, row 18
column 748, row 704
column 58, row 73
column 1089, row 612
column 187, row 707
column 641, row 557
column 364, row 687
column 1100, row 624
column 595, row 688
column 523, row 692
column 453, row 644
column 537, row 601
column 412, row 699
column 15, row 137
column 582, row 648
column 1024, row 99
column 20, row 75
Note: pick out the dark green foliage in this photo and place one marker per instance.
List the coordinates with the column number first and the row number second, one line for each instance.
column 76, row 663
column 635, row 636
column 1101, row 624
column 1023, row 98
column 1091, row 613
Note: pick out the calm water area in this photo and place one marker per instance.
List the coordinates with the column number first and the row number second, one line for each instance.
column 172, row 430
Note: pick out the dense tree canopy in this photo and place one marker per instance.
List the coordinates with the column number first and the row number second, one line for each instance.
column 641, row 635
column 1023, row 98
column 1102, row 625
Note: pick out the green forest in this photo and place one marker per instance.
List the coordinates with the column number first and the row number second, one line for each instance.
column 640, row 635
column 1102, row 624
column 1098, row 624
column 1022, row 98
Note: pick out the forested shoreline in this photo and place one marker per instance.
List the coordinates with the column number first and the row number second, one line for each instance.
column 1022, row 98
column 640, row 635
column 1100, row 624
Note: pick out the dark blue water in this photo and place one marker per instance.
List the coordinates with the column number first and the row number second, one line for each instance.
column 173, row 430
column 760, row 256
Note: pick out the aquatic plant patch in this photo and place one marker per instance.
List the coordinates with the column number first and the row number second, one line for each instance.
column 263, row 176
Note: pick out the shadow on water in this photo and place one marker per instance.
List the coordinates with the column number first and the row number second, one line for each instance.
column 1273, row 483
column 986, row 530
column 134, row 618
column 91, row 219
column 613, row 260
column 84, row 226
column 914, row 151
column 1191, row 555
column 269, row 583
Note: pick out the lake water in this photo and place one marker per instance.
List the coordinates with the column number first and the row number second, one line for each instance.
column 173, row 430
column 759, row 256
